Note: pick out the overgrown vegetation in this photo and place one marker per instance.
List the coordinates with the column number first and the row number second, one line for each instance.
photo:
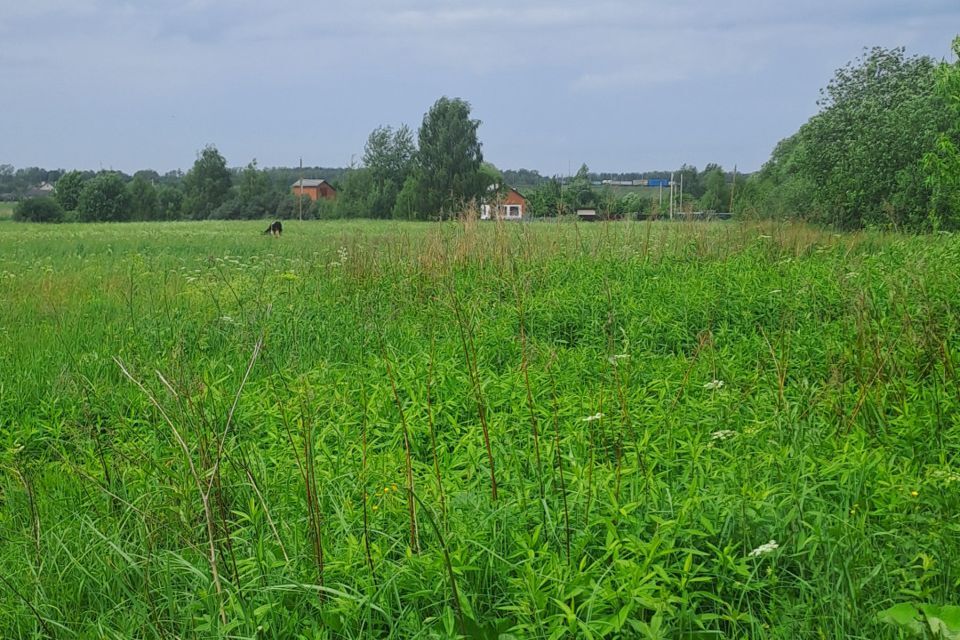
column 538, row 431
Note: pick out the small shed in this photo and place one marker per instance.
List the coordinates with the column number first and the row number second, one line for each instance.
column 314, row 189
column 587, row 215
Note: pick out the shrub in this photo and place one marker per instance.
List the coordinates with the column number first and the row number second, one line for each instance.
column 38, row 210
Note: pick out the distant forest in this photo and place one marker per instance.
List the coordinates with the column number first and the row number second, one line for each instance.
column 15, row 183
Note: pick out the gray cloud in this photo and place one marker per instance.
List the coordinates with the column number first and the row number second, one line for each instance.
column 621, row 85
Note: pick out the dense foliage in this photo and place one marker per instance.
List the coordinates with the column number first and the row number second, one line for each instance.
column 104, row 198
column 67, row 190
column 942, row 163
column 877, row 154
column 207, row 185
column 695, row 431
column 447, row 170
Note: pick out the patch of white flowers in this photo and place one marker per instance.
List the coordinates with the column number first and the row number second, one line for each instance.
column 343, row 255
column 713, row 384
column 764, row 549
column 723, row 434
column 595, row 416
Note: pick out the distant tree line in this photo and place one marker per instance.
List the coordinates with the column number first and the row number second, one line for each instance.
column 209, row 190
column 434, row 174
column 709, row 190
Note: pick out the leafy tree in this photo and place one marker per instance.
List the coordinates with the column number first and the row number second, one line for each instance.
column 67, row 190
column 172, row 177
column 545, row 200
column 169, row 202
column 144, row 203
column 38, row 210
column 389, row 156
column 357, row 195
column 688, row 177
column 256, row 194
column 632, row 203
column 492, row 179
column 879, row 115
column 942, row 163
column 104, row 198
column 449, row 158
column 289, row 207
column 407, row 206
column 779, row 189
column 148, row 174
column 524, row 178
column 580, row 193
column 716, row 196
column 206, row 185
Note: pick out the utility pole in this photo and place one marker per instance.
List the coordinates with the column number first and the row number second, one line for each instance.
column 681, row 193
column 733, row 187
column 300, row 199
column 671, row 195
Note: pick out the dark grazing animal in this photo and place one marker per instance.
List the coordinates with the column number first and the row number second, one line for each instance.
column 275, row 229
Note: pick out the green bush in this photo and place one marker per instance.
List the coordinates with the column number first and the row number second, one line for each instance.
column 38, row 210
column 104, row 199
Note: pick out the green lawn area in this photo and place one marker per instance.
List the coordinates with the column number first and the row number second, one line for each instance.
column 6, row 210
column 395, row 430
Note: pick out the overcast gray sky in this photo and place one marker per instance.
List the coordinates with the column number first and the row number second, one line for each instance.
column 619, row 85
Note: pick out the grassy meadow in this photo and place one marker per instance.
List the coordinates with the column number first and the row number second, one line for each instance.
column 6, row 210
column 387, row 430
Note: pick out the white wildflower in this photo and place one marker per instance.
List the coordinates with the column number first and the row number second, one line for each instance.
column 343, row 254
column 723, row 434
column 764, row 549
column 713, row 384
column 595, row 416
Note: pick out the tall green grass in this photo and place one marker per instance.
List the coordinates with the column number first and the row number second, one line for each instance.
column 394, row 430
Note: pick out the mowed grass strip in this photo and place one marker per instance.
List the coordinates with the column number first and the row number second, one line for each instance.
column 695, row 430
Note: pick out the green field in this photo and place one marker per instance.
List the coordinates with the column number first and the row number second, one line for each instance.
column 6, row 210
column 207, row 432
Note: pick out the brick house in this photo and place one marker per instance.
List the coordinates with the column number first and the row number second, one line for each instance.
column 510, row 206
column 314, row 189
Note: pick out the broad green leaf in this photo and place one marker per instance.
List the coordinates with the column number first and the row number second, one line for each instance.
column 944, row 620
column 903, row 615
